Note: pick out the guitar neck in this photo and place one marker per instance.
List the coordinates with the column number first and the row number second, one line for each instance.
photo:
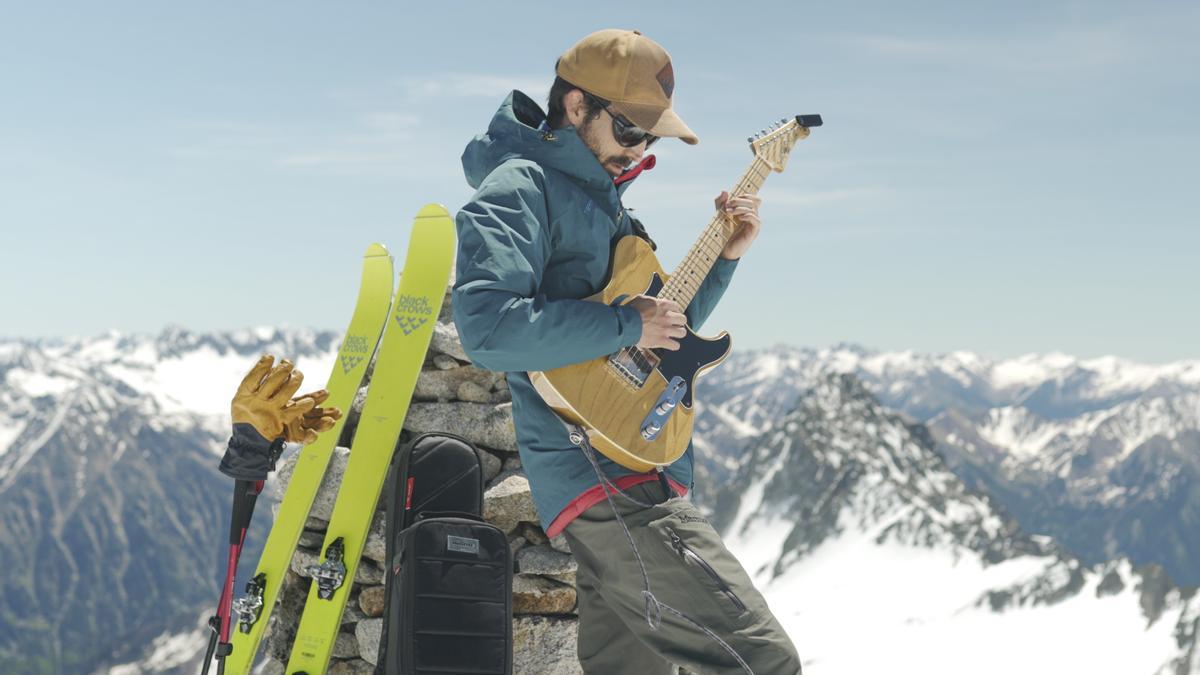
column 690, row 273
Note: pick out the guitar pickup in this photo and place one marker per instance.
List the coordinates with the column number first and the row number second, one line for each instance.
column 656, row 421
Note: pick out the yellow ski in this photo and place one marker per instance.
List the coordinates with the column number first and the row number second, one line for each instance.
column 431, row 251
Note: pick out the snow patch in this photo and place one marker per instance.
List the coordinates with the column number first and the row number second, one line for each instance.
column 917, row 608
column 39, row 384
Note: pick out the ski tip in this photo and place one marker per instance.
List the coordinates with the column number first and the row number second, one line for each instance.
column 376, row 250
column 433, row 210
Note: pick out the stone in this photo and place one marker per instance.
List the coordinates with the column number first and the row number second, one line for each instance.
column 533, row 534
column 371, row 600
column 445, row 340
column 508, row 502
column 559, row 543
column 483, row 424
column 512, row 463
column 545, row 645
column 346, row 647
column 351, row 667
column 369, row 573
column 376, row 546
column 311, row 540
column 491, row 465
column 353, row 613
column 545, row 560
column 438, row 384
column 539, row 595
column 273, row 667
column 368, row 633
column 444, row 362
column 473, row 392
column 515, row 544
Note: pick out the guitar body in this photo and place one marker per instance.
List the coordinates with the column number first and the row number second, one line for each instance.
column 611, row 396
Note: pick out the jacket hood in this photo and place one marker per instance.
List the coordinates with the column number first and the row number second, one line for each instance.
column 514, row 133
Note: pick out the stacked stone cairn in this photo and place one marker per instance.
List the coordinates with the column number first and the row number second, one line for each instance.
column 455, row 396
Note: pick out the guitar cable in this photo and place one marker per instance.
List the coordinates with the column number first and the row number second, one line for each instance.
column 654, row 606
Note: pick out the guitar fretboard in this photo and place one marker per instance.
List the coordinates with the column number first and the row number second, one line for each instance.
column 689, row 274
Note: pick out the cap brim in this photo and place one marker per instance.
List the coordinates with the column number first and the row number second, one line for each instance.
column 658, row 121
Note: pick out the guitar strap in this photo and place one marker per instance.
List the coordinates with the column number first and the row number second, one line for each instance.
column 640, row 230
column 654, row 606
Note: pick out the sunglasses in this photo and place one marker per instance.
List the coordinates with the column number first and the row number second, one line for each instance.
column 627, row 133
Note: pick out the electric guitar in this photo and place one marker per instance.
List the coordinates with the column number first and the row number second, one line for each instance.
column 637, row 404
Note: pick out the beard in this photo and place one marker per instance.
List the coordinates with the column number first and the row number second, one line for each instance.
column 614, row 163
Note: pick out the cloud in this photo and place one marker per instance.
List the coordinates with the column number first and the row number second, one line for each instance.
column 368, row 140
column 468, row 85
column 1054, row 50
column 373, row 130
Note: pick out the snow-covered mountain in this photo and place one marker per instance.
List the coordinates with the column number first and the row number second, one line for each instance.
column 877, row 558
column 1103, row 454
column 110, row 501
column 109, row 494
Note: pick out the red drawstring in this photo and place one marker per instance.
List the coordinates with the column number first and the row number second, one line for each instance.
column 645, row 165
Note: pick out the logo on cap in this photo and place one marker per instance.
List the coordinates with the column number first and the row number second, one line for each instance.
column 666, row 79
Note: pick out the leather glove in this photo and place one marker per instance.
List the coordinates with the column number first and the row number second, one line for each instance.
column 304, row 429
column 264, row 398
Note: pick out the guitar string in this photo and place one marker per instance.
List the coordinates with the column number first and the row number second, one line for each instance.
column 691, row 272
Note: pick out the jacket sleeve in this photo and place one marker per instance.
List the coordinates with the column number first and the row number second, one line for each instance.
column 503, row 321
column 710, row 292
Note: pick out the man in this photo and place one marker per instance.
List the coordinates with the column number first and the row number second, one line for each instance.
column 534, row 239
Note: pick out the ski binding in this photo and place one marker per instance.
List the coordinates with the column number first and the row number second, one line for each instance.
column 330, row 574
column 249, row 606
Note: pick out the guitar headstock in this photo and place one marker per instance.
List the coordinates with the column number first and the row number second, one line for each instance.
column 773, row 144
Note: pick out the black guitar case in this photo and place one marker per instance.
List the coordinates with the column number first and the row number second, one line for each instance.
column 448, row 603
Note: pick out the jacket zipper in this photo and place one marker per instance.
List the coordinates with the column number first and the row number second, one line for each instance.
column 686, row 553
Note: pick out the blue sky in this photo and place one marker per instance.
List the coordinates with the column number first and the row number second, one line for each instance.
column 1003, row 177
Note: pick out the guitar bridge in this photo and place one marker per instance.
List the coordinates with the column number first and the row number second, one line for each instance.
column 634, row 365
column 654, row 423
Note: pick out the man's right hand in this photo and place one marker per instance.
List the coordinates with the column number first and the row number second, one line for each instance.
column 663, row 322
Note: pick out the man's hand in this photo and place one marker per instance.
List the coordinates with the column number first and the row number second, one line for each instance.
column 264, row 398
column 742, row 211
column 662, row 322
column 304, row 429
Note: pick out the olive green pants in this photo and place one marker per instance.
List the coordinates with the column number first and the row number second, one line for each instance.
column 689, row 569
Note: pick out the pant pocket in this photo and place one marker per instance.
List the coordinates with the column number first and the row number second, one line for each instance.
column 680, row 537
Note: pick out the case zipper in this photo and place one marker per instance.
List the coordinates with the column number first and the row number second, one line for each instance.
column 686, row 553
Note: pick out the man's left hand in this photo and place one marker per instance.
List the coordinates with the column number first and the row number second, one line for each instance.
column 742, row 211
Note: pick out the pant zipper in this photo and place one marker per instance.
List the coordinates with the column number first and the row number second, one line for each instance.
column 686, row 552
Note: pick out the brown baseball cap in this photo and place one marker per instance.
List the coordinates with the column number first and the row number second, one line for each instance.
column 631, row 71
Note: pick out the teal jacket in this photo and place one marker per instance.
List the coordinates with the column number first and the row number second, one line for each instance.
column 534, row 239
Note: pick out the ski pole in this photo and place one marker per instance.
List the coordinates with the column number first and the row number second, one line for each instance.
column 245, row 494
